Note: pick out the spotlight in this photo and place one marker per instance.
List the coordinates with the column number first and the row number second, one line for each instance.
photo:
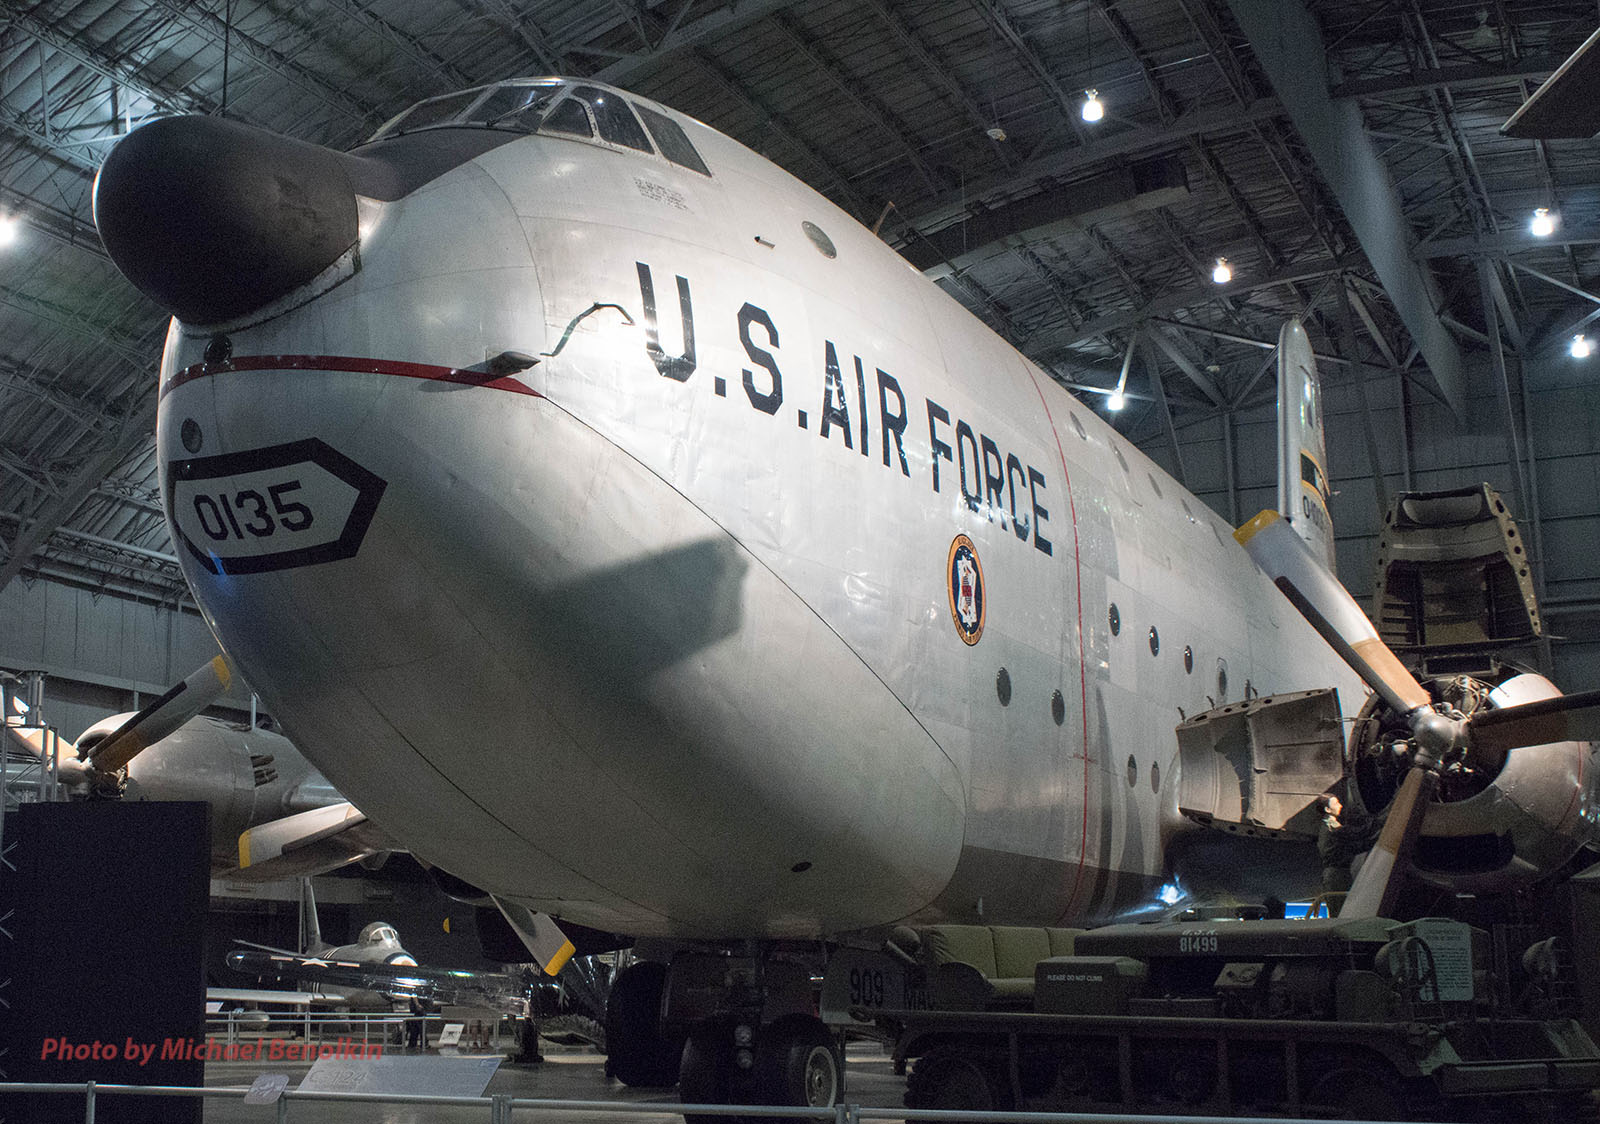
column 1116, row 401
column 1223, row 272
column 1543, row 224
column 1093, row 107
column 1580, row 346
column 9, row 228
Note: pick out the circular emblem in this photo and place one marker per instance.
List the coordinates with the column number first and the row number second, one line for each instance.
column 963, row 575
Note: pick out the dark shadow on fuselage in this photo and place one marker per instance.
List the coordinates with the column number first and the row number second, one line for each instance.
column 619, row 626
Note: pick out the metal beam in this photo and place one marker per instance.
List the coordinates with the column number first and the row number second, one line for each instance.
column 723, row 20
column 1046, row 342
column 1497, row 356
column 1458, row 77
column 1288, row 45
column 1072, row 162
column 132, row 430
column 1159, row 336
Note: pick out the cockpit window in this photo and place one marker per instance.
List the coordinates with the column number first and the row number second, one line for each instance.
column 672, row 141
column 514, row 107
column 617, row 122
column 569, row 117
column 434, row 111
column 537, row 106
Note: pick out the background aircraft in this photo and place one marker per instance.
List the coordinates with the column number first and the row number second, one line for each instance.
column 373, row 972
column 612, row 515
column 265, row 797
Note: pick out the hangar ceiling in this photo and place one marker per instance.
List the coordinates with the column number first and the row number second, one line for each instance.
column 1344, row 156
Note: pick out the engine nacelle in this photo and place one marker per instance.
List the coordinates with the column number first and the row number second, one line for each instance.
column 248, row 776
column 1489, row 833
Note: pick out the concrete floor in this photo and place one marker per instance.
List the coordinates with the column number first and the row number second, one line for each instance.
column 566, row 1074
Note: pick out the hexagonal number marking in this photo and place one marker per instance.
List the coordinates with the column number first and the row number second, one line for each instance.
column 297, row 504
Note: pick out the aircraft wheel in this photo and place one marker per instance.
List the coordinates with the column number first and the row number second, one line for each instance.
column 637, row 1053
column 704, row 1074
column 796, row 1063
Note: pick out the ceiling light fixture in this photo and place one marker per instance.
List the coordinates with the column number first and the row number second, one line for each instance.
column 1543, row 224
column 1222, row 273
column 995, row 133
column 1580, row 346
column 1093, row 108
column 1116, row 400
column 10, row 225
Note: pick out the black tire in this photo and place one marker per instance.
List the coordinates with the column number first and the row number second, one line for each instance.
column 797, row 1063
column 956, row 1080
column 637, row 1053
column 1356, row 1090
column 704, row 1071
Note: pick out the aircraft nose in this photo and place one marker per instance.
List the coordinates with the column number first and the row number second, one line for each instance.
column 212, row 219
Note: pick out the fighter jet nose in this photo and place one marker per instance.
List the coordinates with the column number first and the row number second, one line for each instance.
column 212, row 219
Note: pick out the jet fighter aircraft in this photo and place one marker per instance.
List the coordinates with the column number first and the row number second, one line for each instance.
column 649, row 546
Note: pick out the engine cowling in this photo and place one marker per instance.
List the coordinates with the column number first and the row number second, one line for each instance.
column 1492, row 827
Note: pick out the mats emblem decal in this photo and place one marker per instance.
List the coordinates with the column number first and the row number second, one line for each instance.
column 963, row 575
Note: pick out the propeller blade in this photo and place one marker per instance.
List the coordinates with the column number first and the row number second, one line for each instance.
column 540, row 934
column 307, row 843
column 1561, row 719
column 161, row 717
column 1285, row 558
column 1377, row 886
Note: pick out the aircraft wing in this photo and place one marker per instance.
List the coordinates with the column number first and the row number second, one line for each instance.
column 499, row 990
column 271, row 995
column 308, row 843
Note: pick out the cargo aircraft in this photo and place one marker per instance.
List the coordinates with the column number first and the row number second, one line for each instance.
column 649, row 546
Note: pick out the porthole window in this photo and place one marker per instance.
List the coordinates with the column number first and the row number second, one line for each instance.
column 1188, row 659
column 1133, row 771
column 819, row 239
column 1116, row 620
column 1077, row 425
column 1155, row 777
column 1002, row 687
column 1058, row 707
column 1155, row 641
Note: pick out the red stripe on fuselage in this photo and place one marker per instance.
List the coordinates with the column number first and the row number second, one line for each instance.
column 1083, row 672
column 354, row 364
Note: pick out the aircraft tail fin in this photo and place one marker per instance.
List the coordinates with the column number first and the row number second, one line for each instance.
column 1303, row 488
column 310, row 927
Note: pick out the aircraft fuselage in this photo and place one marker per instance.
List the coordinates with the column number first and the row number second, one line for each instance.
column 779, row 598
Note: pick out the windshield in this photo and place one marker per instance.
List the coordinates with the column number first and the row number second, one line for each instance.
column 531, row 106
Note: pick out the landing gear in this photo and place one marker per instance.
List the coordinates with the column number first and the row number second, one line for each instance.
column 793, row 1061
column 796, row 1063
column 638, row 1053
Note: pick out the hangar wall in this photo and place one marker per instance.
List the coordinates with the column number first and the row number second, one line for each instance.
column 101, row 654
column 1440, row 453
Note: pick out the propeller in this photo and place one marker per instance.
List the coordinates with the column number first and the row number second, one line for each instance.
column 97, row 757
column 1440, row 737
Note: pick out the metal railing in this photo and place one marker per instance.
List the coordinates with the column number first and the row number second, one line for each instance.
column 500, row 1106
column 371, row 1026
